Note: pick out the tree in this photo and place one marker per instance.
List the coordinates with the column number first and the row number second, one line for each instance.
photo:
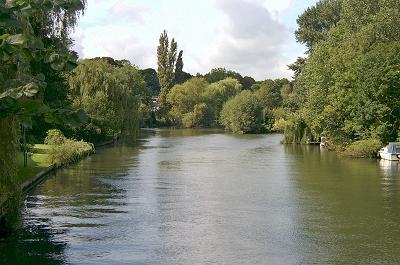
column 110, row 95
column 347, row 88
column 243, row 113
column 196, row 103
column 316, row 22
column 166, row 54
column 218, row 93
column 34, row 44
column 218, row 74
column 248, row 82
column 183, row 98
column 179, row 69
column 151, row 79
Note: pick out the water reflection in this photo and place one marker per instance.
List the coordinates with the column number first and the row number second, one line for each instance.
column 203, row 197
column 352, row 208
column 389, row 168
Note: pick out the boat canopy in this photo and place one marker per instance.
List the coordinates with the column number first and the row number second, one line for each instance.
column 393, row 148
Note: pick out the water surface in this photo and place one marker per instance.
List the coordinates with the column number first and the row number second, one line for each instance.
column 204, row 197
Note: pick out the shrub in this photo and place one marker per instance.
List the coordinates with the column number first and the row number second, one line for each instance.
column 54, row 137
column 243, row 113
column 69, row 151
column 364, row 148
column 195, row 118
column 279, row 125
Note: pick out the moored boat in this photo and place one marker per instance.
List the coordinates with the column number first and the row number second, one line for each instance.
column 391, row 152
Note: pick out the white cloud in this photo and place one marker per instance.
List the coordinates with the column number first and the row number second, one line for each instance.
column 248, row 36
column 127, row 10
column 252, row 42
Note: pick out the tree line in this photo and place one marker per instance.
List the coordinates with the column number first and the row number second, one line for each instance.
column 347, row 87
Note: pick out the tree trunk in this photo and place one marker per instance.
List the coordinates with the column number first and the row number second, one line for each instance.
column 8, row 155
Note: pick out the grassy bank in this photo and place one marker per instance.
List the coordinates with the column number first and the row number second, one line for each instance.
column 36, row 163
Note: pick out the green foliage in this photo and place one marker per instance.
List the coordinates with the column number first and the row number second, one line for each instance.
column 218, row 93
column 9, row 133
column 33, row 52
column 180, row 75
column 183, row 99
column 196, row 117
column 348, row 88
column 316, row 22
column 219, row 74
column 166, row 59
column 110, row 95
column 70, row 151
column 367, row 148
column 269, row 93
column 54, row 137
column 243, row 113
column 151, row 79
column 196, row 103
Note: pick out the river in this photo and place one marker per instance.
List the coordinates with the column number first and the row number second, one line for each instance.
column 205, row 197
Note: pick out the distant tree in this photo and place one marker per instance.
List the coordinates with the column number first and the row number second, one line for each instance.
column 183, row 98
column 218, row 74
column 151, row 79
column 247, row 82
column 179, row 69
column 219, row 92
column 243, row 113
column 166, row 57
column 269, row 93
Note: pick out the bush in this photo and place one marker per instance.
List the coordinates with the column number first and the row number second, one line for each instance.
column 279, row 125
column 364, row 149
column 194, row 119
column 243, row 114
column 69, row 151
column 54, row 137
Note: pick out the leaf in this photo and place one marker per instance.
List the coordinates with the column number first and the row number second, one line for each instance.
column 11, row 3
column 57, row 66
column 17, row 39
column 53, row 58
column 29, row 90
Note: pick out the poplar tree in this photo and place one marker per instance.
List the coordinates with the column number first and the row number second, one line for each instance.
column 166, row 53
column 179, row 75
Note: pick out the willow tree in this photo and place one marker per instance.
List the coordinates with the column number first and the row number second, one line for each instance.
column 110, row 95
column 33, row 36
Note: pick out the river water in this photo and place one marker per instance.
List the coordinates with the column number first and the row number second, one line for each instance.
column 204, row 197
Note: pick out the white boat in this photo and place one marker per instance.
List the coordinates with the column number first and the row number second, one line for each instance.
column 390, row 152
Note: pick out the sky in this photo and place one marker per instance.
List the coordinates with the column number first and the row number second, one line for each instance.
column 252, row 37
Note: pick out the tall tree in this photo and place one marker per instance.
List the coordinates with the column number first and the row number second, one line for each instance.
column 317, row 21
column 34, row 39
column 179, row 75
column 166, row 55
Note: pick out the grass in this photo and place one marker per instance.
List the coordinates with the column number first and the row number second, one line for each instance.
column 36, row 162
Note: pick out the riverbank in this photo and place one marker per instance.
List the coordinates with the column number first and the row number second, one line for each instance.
column 43, row 160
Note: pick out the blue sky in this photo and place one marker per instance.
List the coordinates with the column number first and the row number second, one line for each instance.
column 253, row 37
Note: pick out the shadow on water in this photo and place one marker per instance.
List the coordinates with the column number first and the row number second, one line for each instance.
column 82, row 196
column 353, row 207
column 33, row 244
